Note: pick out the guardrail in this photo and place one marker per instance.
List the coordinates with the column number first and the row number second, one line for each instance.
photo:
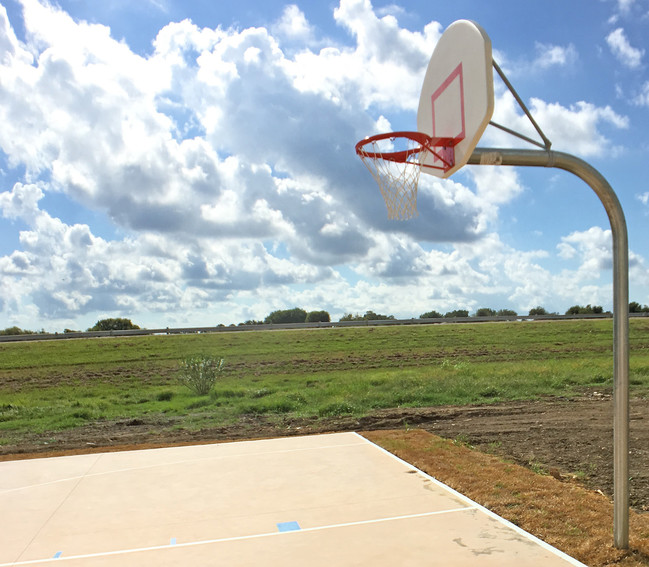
column 286, row 326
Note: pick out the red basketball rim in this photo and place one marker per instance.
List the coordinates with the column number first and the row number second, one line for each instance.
column 424, row 141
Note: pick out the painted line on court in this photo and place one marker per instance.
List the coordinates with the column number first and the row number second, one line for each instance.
column 242, row 538
column 171, row 463
column 481, row 508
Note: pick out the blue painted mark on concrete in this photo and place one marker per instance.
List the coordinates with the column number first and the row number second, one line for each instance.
column 58, row 554
column 288, row 526
column 172, row 541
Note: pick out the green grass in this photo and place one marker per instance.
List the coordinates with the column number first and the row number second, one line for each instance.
column 49, row 386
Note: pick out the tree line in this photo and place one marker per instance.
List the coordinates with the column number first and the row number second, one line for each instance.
column 112, row 324
column 298, row 315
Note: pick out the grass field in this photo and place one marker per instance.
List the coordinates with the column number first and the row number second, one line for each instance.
column 56, row 385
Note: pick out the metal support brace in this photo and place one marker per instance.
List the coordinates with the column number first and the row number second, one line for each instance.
column 567, row 162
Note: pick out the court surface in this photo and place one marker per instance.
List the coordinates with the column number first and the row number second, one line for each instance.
column 320, row 500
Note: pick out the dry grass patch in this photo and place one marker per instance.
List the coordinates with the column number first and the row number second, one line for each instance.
column 560, row 512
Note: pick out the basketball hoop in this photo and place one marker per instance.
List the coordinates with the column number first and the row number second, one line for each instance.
column 395, row 161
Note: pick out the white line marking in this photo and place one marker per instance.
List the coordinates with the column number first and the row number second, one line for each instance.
column 64, row 498
column 173, row 463
column 239, row 538
column 481, row 508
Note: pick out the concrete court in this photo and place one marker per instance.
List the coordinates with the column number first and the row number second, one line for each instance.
column 331, row 500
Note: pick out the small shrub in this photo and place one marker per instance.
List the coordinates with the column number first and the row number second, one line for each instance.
column 82, row 414
column 197, row 404
column 282, row 406
column 199, row 373
column 228, row 394
column 462, row 440
column 297, row 398
column 165, row 396
column 262, row 393
column 600, row 379
column 336, row 409
column 490, row 392
column 450, row 365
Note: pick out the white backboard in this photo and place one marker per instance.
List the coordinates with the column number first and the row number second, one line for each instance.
column 457, row 97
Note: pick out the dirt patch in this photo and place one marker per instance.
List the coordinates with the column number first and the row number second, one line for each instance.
column 570, row 438
column 565, row 441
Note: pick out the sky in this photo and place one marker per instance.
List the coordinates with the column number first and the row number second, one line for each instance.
column 191, row 163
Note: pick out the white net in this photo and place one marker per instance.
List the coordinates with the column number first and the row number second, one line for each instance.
column 397, row 180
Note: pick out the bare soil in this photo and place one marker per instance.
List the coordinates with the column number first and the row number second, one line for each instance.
column 568, row 441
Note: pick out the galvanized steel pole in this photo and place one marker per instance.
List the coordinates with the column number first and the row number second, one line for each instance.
column 567, row 162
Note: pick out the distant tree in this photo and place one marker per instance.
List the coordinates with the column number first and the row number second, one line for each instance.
column 457, row 313
column 431, row 315
column 506, row 313
column 635, row 307
column 538, row 310
column 579, row 310
column 15, row 331
column 351, row 317
column 114, row 324
column 485, row 312
column 371, row 316
column 295, row 315
column 318, row 317
column 251, row 322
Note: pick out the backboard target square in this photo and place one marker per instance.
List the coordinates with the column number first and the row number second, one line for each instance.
column 448, row 107
column 457, row 99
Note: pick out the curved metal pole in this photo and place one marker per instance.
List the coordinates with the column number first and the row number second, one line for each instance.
column 567, row 162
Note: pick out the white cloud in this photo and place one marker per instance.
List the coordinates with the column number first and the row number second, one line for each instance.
column 625, row 5
column 575, row 128
column 384, row 68
column 293, row 25
column 554, row 55
column 619, row 45
column 71, row 271
column 591, row 250
column 642, row 99
column 547, row 56
column 587, row 257
column 496, row 186
column 21, row 202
